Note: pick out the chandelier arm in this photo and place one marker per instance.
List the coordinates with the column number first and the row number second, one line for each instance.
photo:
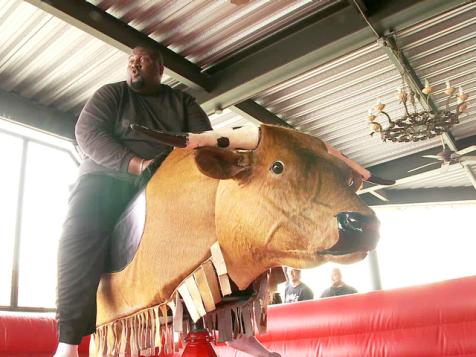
column 412, row 100
column 427, row 100
column 388, row 117
column 406, row 108
column 447, row 103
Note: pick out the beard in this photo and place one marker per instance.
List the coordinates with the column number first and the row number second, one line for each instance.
column 138, row 84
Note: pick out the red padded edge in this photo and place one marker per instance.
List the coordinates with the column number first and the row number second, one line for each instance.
column 34, row 335
column 30, row 333
column 431, row 320
column 448, row 302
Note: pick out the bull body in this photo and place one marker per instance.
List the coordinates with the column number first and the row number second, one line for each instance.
column 261, row 216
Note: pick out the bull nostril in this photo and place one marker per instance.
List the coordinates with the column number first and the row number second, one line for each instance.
column 357, row 232
column 354, row 224
column 351, row 223
column 354, row 221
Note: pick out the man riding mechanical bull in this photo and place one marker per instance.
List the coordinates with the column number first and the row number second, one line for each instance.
column 214, row 218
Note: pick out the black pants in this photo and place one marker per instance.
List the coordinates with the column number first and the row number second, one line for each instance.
column 95, row 204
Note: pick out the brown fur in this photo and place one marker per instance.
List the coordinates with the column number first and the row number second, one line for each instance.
column 260, row 219
column 178, row 233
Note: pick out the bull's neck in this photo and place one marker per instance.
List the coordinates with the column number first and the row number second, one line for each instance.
column 246, row 269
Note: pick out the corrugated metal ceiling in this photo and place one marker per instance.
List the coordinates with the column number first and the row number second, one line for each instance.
column 444, row 48
column 227, row 119
column 208, row 31
column 453, row 176
column 54, row 63
column 332, row 100
column 51, row 62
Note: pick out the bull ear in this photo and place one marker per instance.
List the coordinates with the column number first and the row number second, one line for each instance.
column 220, row 164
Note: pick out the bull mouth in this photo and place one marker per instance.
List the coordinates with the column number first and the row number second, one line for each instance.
column 357, row 233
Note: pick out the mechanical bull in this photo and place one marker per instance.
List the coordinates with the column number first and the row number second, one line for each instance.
column 215, row 219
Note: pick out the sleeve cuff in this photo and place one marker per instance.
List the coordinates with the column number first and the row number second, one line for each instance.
column 125, row 162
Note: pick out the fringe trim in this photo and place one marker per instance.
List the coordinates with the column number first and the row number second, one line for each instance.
column 146, row 332
column 242, row 318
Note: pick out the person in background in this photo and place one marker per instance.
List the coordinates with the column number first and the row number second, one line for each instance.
column 296, row 290
column 338, row 287
column 275, row 298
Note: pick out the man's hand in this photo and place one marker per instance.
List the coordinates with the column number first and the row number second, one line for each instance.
column 137, row 165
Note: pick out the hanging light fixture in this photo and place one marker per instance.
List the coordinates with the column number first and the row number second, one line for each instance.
column 417, row 124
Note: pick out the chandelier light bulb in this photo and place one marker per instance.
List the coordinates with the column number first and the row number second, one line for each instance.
column 380, row 106
column 375, row 127
column 403, row 96
column 370, row 116
column 428, row 89
column 449, row 91
column 462, row 96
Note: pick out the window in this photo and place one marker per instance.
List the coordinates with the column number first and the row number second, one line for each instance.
column 419, row 244
column 357, row 275
column 12, row 147
column 49, row 173
column 426, row 243
column 36, row 175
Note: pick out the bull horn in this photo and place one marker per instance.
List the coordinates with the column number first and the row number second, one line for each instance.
column 380, row 181
column 245, row 137
column 366, row 174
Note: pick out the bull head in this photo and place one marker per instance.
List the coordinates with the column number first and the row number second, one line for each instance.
column 289, row 201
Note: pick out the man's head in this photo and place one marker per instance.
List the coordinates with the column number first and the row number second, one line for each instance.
column 144, row 69
column 336, row 277
column 294, row 276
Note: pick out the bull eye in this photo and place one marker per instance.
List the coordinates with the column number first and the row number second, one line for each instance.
column 277, row 167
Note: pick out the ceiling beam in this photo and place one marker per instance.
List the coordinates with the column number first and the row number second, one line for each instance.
column 390, row 16
column 423, row 195
column 104, row 26
column 381, row 195
column 254, row 112
column 286, row 57
column 334, row 32
column 24, row 111
column 401, row 63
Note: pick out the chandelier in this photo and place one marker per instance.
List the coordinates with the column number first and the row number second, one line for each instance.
column 416, row 125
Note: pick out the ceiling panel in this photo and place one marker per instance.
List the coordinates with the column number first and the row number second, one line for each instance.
column 331, row 101
column 453, row 176
column 58, row 65
column 51, row 62
column 208, row 31
column 227, row 119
